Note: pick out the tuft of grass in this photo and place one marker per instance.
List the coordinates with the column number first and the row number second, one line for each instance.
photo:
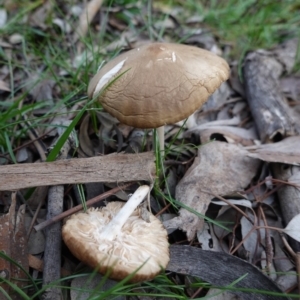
column 246, row 24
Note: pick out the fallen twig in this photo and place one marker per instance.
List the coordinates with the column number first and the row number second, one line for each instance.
column 109, row 168
column 79, row 207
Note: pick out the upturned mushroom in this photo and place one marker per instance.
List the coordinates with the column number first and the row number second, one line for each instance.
column 117, row 241
column 158, row 84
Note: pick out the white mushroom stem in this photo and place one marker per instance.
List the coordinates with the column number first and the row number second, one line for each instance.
column 112, row 229
column 161, row 139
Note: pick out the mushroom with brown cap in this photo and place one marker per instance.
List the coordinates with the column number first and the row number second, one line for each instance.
column 116, row 240
column 159, row 83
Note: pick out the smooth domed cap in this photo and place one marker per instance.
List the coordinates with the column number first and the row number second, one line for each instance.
column 138, row 243
column 158, row 83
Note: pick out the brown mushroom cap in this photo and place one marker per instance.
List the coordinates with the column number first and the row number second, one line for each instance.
column 138, row 243
column 160, row 83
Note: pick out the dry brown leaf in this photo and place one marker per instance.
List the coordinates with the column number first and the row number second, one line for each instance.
column 290, row 86
column 40, row 15
column 286, row 151
column 108, row 125
column 38, row 264
column 85, row 142
column 86, row 18
column 210, row 110
column 4, row 86
column 245, row 137
column 13, row 243
column 43, row 91
column 220, row 168
column 252, row 237
column 36, row 241
column 215, row 294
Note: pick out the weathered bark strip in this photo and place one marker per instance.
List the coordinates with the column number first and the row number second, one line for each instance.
column 109, row 168
column 52, row 255
column 261, row 71
column 222, row 269
column 271, row 113
column 289, row 196
column 286, row 151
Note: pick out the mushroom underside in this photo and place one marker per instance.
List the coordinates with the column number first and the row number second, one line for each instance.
column 140, row 247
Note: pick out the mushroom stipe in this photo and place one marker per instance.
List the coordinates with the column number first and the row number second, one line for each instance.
column 115, row 240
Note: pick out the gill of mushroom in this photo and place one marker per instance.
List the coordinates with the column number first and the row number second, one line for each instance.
column 116, row 239
column 158, row 84
column 112, row 229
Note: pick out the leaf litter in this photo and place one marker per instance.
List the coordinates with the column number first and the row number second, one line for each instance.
column 228, row 160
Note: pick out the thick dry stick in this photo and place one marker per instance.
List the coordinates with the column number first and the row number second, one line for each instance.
column 261, row 72
column 52, row 254
column 271, row 113
column 109, row 168
column 288, row 195
column 80, row 207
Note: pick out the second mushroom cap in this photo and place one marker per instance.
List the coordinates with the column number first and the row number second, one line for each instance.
column 158, row 83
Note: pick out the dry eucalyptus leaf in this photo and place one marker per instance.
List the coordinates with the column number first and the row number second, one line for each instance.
column 36, row 241
column 286, row 151
column 204, row 238
column 251, row 240
column 226, row 215
column 215, row 294
column 236, row 135
column 85, row 142
column 13, row 244
column 22, row 155
column 293, row 228
column 282, row 263
column 60, row 116
column 284, row 267
column 63, row 25
column 4, row 86
column 121, row 41
column 164, row 24
column 290, row 86
column 108, row 125
column 41, row 14
column 43, row 91
column 245, row 203
column 221, row 169
column 230, row 122
column 86, row 18
column 288, row 281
